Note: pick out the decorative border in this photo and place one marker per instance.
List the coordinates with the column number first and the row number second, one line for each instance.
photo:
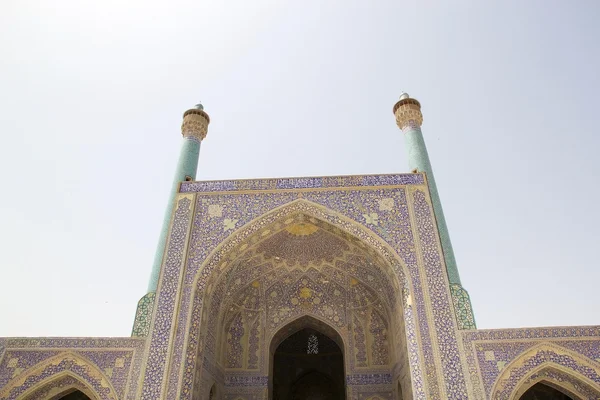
column 369, row 379
column 56, row 387
column 246, row 381
column 563, row 381
column 2, row 347
column 163, row 323
column 371, row 392
column 246, row 393
column 303, row 183
column 438, row 287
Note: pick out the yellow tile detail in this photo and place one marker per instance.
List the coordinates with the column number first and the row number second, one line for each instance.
column 500, row 365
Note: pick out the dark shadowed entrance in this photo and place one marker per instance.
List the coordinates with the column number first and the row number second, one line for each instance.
column 539, row 391
column 74, row 395
column 308, row 365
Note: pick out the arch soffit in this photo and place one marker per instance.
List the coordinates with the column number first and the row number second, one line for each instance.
column 548, row 381
column 78, row 384
column 310, row 209
column 306, row 321
column 522, row 384
column 56, row 360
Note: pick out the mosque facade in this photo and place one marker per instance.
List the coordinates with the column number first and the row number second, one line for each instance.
column 342, row 287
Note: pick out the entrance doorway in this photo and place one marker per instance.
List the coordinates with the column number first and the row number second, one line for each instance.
column 540, row 391
column 74, row 395
column 308, row 365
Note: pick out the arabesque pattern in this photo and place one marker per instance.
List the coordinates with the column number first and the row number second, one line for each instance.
column 576, row 388
column 462, row 307
column 169, row 284
column 143, row 316
column 57, row 387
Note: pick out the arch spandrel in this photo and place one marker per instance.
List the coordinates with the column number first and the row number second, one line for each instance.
column 60, row 386
column 274, row 248
column 562, row 381
column 225, row 264
column 48, row 375
column 235, row 243
column 546, row 362
column 235, row 247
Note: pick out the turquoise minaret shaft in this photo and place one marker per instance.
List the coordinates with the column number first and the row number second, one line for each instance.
column 409, row 119
column 194, row 130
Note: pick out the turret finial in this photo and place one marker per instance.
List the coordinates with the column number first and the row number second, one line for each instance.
column 195, row 123
column 408, row 112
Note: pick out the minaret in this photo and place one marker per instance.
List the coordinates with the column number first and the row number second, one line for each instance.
column 194, row 129
column 409, row 119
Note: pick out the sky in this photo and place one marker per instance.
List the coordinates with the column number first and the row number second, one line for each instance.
column 92, row 96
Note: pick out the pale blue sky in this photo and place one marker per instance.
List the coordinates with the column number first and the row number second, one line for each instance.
column 92, row 95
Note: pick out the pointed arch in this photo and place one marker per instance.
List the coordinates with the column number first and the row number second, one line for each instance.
column 212, row 394
column 302, row 206
column 297, row 325
column 564, row 381
column 68, row 369
column 302, row 322
column 204, row 288
column 58, row 386
column 217, row 261
column 561, row 368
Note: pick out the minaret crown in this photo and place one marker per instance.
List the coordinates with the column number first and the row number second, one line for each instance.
column 408, row 112
column 195, row 123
